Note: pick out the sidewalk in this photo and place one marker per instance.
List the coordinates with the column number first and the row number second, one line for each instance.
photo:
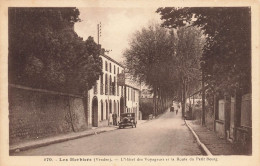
column 212, row 142
column 21, row 146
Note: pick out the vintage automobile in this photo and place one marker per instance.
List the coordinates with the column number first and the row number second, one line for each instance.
column 127, row 119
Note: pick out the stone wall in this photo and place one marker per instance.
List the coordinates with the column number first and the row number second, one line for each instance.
column 35, row 113
column 244, row 131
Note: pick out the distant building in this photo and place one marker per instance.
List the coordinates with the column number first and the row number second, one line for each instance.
column 145, row 93
column 133, row 97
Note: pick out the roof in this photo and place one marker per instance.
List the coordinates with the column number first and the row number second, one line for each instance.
column 130, row 86
column 109, row 58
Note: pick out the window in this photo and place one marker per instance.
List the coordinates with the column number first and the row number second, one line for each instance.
column 110, row 106
column 110, row 85
column 117, row 90
column 115, row 109
column 114, row 69
column 101, row 85
column 106, row 65
column 114, row 86
column 110, row 67
column 106, row 85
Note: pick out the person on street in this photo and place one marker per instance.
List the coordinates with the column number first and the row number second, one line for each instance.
column 172, row 109
column 114, row 116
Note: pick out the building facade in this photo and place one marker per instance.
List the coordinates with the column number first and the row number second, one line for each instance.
column 132, row 101
column 107, row 100
column 105, row 97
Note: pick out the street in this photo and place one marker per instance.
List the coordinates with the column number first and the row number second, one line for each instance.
column 167, row 135
column 78, row 77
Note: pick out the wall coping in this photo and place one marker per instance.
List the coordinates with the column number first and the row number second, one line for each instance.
column 219, row 121
column 43, row 91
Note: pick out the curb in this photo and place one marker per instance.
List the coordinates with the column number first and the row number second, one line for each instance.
column 202, row 145
column 37, row 145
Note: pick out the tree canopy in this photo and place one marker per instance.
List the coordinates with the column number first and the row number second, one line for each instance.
column 149, row 48
column 166, row 60
column 45, row 52
column 226, row 58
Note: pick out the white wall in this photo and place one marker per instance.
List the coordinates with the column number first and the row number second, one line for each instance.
column 132, row 103
column 103, row 96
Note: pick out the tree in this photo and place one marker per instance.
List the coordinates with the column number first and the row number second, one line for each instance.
column 190, row 42
column 167, row 61
column 226, row 59
column 45, row 52
column 149, row 59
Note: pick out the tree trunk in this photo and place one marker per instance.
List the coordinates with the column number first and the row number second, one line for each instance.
column 164, row 103
column 203, row 101
column 160, row 100
column 183, row 97
column 154, row 102
column 215, row 106
column 238, row 101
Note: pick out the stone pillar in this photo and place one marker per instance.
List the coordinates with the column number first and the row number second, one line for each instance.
column 237, row 115
column 215, row 110
column 227, row 105
column 232, row 118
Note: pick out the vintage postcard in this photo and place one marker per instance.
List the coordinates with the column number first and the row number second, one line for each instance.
column 129, row 82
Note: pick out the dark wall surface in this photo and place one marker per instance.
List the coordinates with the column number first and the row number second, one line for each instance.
column 34, row 114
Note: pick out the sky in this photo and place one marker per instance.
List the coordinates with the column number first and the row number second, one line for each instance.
column 117, row 26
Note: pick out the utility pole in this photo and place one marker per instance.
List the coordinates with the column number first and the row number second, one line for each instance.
column 99, row 35
column 99, row 31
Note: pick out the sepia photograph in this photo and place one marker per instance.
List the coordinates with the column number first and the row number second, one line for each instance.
column 108, row 84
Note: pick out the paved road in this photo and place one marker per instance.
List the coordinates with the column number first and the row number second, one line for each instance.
column 166, row 135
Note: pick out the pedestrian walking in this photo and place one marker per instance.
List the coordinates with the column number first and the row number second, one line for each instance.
column 177, row 111
column 172, row 109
